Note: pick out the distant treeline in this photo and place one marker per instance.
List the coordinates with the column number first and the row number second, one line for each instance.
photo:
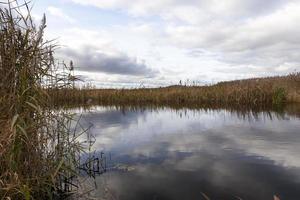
column 249, row 92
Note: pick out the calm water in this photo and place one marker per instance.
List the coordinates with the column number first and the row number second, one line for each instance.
column 180, row 154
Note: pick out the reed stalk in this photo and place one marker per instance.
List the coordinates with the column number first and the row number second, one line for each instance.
column 36, row 147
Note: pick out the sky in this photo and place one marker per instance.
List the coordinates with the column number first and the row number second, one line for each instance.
column 134, row 43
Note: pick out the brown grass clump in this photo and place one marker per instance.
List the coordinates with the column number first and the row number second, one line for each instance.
column 35, row 145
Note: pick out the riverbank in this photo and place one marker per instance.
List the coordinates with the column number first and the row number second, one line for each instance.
column 249, row 92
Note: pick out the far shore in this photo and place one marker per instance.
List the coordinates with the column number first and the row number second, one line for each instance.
column 268, row 91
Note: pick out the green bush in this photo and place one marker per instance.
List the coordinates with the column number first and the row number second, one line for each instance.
column 279, row 96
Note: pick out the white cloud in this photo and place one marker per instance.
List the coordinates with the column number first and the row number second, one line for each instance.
column 136, row 7
column 219, row 40
column 226, row 8
column 57, row 12
column 266, row 41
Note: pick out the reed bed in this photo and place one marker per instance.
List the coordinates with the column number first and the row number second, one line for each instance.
column 258, row 92
column 37, row 150
column 38, row 146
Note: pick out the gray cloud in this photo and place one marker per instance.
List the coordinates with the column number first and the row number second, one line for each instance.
column 159, row 7
column 269, row 42
column 249, row 37
column 264, row 34
column 89, row 59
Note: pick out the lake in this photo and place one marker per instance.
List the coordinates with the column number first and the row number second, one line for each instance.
column 189, row 154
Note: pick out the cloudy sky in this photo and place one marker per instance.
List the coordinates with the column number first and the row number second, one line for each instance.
column 126, row 43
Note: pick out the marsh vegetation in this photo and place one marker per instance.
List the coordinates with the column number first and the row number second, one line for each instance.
column 256, row 92
column 39, row 146
column 38, row 153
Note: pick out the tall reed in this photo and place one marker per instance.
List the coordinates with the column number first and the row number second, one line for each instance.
column 36, row 147
column 257, row 92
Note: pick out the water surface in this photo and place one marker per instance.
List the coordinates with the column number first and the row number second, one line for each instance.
column 183, row 154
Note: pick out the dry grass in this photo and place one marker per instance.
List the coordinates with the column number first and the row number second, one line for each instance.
column 261, row 92
column 36, row 148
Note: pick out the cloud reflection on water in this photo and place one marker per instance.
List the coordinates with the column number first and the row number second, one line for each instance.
column 177, row 154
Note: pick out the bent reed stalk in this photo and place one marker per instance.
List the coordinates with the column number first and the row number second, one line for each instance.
column 37, row 150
